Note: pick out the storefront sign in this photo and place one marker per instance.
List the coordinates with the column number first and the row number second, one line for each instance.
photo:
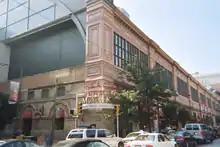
column 97, row 106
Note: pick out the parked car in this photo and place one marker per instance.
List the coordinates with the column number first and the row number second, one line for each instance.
column 82, row 143
column 183, row 139
column 15, row 143
column 201, row 132
column 152, row 140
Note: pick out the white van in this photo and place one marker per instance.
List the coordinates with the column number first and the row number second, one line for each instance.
column 102, row 134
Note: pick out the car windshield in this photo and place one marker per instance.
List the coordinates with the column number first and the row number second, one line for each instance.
column 146, row 137
column 1, row 143
column 132, row 134
column 63, row 144
column 175, row 134
column 76, row 134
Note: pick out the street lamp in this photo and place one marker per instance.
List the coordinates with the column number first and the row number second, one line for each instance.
column 54, row 102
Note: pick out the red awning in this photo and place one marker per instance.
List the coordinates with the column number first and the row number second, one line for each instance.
column 26, row 115
column 60, row 113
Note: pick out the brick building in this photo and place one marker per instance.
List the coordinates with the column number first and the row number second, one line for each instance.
column 89, row 44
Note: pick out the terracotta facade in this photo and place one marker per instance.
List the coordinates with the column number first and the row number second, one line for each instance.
column 98, row 72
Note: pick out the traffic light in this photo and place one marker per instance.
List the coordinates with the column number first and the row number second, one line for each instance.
column 72, row 112
column 116, row 110
column 79, row 108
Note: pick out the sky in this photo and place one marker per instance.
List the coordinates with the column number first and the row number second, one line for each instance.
column 187, row 30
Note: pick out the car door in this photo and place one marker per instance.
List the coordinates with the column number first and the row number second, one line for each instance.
column 168, row 142
column 161, row 141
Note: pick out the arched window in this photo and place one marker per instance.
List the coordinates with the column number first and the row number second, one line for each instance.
column 59, row 120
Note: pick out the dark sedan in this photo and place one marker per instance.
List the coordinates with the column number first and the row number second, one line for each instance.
column 17, row 143
column 183, row 139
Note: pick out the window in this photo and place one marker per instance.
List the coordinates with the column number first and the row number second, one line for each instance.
column 202, row 97
column 76, row 134
column 195, row 127
column 30, row 95
column 146, row 137
column 182, row 87
column 194, row 94
column 209, row 103
column 61, row 91
column 204, row 127
column 101, row 133
column 90, row 133
column 97, row 144
column 45, row 93
column 30, row 144
column 125, row 53
column 165, row 76
column 188, row 127
column 161, row 138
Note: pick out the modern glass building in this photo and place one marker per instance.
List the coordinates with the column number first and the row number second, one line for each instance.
column 18, row 16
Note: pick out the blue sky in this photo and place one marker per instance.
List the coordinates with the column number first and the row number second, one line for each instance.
column 188, row 30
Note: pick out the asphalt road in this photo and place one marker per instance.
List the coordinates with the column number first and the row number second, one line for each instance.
column 216, row 143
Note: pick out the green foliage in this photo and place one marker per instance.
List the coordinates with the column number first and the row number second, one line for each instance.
column 142, row 92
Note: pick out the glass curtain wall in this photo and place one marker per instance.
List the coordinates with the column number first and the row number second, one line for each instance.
column 18, row 16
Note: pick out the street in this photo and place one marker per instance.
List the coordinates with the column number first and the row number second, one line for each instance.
column 215, row 143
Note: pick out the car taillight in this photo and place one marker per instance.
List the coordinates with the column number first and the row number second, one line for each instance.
column 201, row 133
column 180, row 139
column 149, row 146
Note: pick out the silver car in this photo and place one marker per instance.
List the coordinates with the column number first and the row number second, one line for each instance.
column 200, row 132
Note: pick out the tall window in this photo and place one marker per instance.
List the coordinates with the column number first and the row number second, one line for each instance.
column 182, row 87
column 165, row 76
column 125, row 53
column 209, row 103
column 194, row 94
column 202, row 97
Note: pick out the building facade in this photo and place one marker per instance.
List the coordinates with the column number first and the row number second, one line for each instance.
column 89, row 46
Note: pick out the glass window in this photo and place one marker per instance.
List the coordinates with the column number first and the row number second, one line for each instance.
column 97, row 144
column 39, row 5
column 45, row 93
column 161, row 138
column 17, row 28
column 30, row 95
column 101, row 133
column 2, row 21
column 3, row 6
column 188, row 127
column 18, row 14
column 61, row 91
column 90, row 133
column 195, row 127
column 61, row 11
column 146, row 137
column 132, row 135
column 41, row 18
column 13, row 4
column 2, row 34
column 76, row 134
column 30, row 144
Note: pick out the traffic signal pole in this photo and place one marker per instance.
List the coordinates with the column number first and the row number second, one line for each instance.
column 117, row 118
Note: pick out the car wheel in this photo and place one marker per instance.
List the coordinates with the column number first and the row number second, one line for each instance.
column 120, row 144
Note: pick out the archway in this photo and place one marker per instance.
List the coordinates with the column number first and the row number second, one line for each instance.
column 59, row 118
column 26, row 118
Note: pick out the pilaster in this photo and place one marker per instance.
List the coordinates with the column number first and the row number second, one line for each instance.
column 99, row 46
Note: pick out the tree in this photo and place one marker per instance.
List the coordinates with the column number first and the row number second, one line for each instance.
column 144, row 89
